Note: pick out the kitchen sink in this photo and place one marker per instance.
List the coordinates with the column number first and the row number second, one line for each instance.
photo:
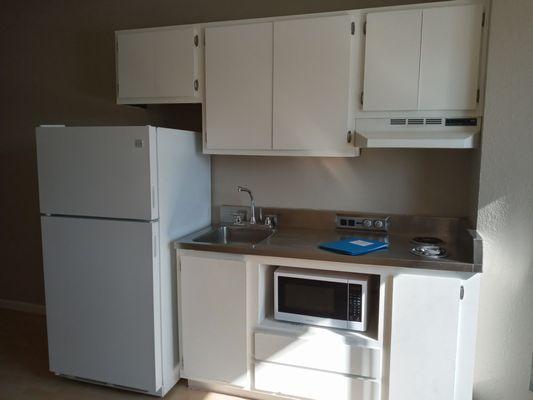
column 228, row 234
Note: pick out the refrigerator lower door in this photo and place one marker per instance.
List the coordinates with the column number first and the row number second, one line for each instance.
column 102, row 300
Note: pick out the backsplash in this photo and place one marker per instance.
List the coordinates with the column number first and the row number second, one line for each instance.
column 418, row 182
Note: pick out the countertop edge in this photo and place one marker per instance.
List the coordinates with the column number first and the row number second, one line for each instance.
column 434, row 265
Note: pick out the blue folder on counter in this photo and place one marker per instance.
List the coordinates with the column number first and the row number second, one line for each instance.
column 354, row 246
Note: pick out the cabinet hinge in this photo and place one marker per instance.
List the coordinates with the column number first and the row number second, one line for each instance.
column 352, row 28
column 196, row 85
column 483, row 19
column 361, row 99
column 196, row 40
column 462, row 292
column 478, row 95
column 364, row 28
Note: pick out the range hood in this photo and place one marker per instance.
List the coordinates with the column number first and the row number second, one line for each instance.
column 442, row 133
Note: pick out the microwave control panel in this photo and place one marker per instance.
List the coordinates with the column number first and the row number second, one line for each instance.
column 355, row 302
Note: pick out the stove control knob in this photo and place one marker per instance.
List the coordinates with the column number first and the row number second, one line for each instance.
column 378, row 224
column 367, row 223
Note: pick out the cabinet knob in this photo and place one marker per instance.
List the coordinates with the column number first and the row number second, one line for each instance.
column 349, row 137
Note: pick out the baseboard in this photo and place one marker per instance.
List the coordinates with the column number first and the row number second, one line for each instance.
column 22, row 306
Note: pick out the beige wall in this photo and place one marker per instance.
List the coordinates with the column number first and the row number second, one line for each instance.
column 430, row 182
column 505, row 338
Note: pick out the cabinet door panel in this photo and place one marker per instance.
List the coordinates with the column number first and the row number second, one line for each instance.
column 213, row 315
column 239, row 87
column 425, row 319
column 175, row 62
column 135, row 64
column 449, row 65
column 392, row 58
column 311, row 83
column 157, row 66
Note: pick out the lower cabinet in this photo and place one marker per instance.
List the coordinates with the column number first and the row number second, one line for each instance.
column 317, row 353
column 213, row 320
column 312, row 384
column 433, row 337
column 316, row 367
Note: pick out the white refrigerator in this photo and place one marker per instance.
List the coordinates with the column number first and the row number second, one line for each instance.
column 112, row 199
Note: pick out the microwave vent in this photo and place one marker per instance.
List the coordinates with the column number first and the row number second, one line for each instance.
column 433, row 121
column 398, row 121
column 415, row 121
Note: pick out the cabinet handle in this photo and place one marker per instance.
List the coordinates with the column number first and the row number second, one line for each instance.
column 349, row 137
column 196, row 84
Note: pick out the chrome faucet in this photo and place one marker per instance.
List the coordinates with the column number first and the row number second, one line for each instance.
column 252, row 202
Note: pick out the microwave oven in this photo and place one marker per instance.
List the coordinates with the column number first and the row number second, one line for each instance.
column 324, row 298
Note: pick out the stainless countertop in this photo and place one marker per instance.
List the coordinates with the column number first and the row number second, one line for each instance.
column 464, row 251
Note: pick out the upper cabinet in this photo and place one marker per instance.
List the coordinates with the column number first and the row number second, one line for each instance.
column 159, row 65
column 450, row 53
column 392, row 59
column 423, row 59
column 239, row 87
column 322, row 84
column 311, row 83
column 280, row 87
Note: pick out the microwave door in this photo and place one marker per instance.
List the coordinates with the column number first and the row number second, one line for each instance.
column 312, row 301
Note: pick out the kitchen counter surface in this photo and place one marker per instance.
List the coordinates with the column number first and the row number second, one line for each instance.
column 301, row 243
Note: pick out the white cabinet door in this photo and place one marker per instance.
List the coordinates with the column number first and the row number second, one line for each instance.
column 238, row 109
column 311, row 83
column 449, row 64
column 392, row 57
column 135, row 65
column 213, row 317
column 157, row 65
column 425, row 319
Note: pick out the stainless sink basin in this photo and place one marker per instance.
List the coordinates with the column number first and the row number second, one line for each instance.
column 235, row 234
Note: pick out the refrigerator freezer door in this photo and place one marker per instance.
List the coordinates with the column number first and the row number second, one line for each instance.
column 98, row 171
column 102, row 300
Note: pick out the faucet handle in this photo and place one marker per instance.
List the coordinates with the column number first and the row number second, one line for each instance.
column 271, row 221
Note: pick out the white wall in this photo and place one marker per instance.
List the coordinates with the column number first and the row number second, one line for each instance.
column 505, row 331
column 430, row 182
